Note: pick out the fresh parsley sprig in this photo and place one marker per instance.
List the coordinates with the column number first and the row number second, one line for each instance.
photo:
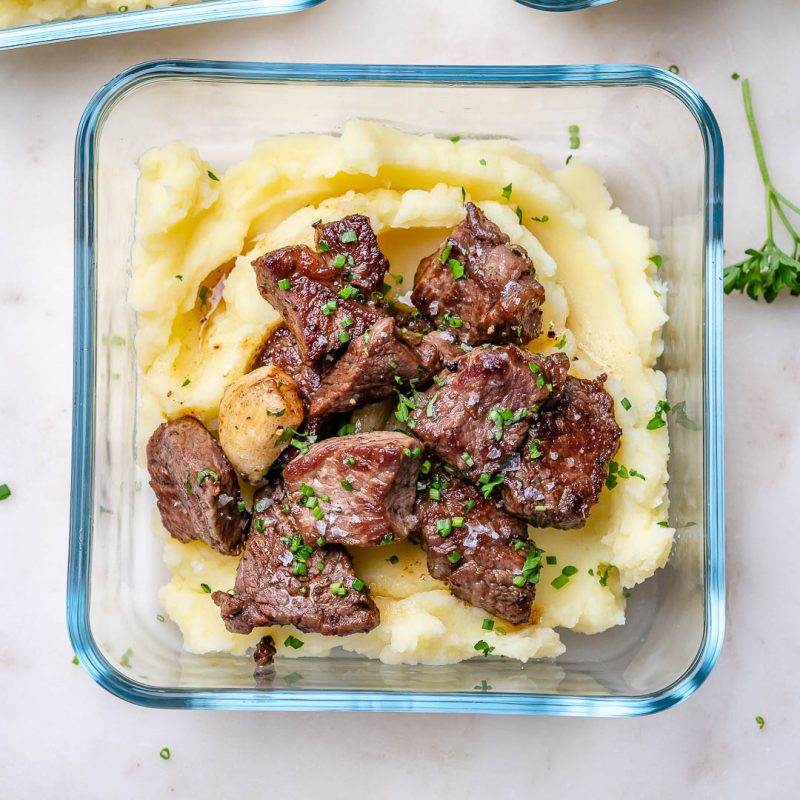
column 770, row 269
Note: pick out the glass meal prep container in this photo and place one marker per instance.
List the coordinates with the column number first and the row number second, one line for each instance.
column 658, row 146
column 126, row 21
column 563, row 5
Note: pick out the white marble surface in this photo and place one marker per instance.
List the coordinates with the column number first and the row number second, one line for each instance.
column 63, row 737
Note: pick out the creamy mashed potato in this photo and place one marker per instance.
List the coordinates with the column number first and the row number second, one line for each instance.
column 28, row 12
column 601, row 307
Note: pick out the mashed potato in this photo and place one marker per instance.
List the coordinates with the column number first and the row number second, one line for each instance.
column 28, row 12
column 601, row 307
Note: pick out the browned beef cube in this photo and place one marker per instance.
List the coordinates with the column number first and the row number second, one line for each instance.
column 350, row 247
column 371, row 368
column 281, row 350
column 281, row 581
column 476, row 417
column 264, row 654
column 356, row 490
column 196, row 488
column 446, row 347
column 557, row 477
column 480, row 285
column 477, row 548
column 320, row 320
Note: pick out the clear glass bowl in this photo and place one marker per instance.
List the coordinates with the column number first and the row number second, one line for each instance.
column 146, row 19
column 563, row 5
column 659, row 147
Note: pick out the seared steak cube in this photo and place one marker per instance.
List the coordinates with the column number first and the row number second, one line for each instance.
column 476, row 417
column 281, row 581
column 355, row 490
column 371, row 368
column 557, row 477
column 321, row 319
column 480, row 285
column 478, row 549
column 445, row 346
column 350, row 247
column 264, row 654
column 196, row 488
column 281, row 350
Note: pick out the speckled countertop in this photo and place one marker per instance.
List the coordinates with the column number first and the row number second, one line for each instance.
column 63, row 737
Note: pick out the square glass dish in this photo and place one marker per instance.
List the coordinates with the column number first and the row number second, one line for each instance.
column 145, row 19
column 563, row 5
column 658, row 145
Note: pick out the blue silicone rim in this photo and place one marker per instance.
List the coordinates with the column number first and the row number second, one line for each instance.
column 146, row 19
column 83, row 642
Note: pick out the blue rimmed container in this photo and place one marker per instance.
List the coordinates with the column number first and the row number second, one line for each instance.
column 563, row 5
column 658, row 145
column 146, row 19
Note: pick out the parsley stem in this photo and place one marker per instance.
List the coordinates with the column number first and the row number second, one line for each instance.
column 756, row 136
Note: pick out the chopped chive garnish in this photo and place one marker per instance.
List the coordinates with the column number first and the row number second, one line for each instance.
column 507, row 191
column 306, row 490
column 454, row 557
column 344, row 337
column 393, row 559
column 259, row 524
column 346, row 430
column 488, row 624
column 445, row 254
column 469, row 505
column 337, row 589
column 293, row 642
column 185, row 383
column 519, row 214
column 658, row 419
column 206, row 473
column 625, row 403
column 455, row 139
column 444, row 527
column 165, row 753
column 5, row 492
column 347, row 292
column 160, row 617
column 324, row 247
column 209, row 172
column 456, row 268
column 358, row 584
column 284, row 283
column 206, row 588
column 534, row 449
column 329, row 307
column 345, row 237
column 346, row 322
column 240, row 506
column 551, row 560
column 663, row 524
column 346, row 485
column 468, row 459
column 760, row 721
column 482, row 162
column 657, row 260
column 349, row 461
column 543, row 218
column 321, row 541
column 339, row 261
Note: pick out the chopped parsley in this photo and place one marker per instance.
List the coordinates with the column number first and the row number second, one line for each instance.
column 346, row 485
column 387, row 539
column 337, row 589
column 208, row 172
column 165, row 753
column 469, row 505
column 530, row 569
column 456, row 268
column 5, row 492
column 206, row 588
column 429, row 412
column 349, row 461
column 346, row 237
column 279, row 413
column 657, row 260
column 487, row 624
column 505, row 418
column 454, row 557
column 617, row 470
column 75, row 660
column 659, row 418
column 293, row 642
column 284, row 283
column 543, row 218
column 455, row 139
column 358, row 584
column 259, row 524
column 344, row 337
column 663, row 524
column 625, row 403
column 574, row 137
column 551, row 560
column 507, row 191
column 185, row 383
column 519, row 214
column 240, row 506
column 534, row 449
column 483, row 647
column 393, row 559
column 323, row 246
column 346, row 430
column 760, row 721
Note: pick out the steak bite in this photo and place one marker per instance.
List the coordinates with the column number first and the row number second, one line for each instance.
column 281, row 581
column 196, row 488
column 445, row 345
column 477, row 549
column 480, row 285
column 349, row 247
column 558, row 475
column 321, row 319
column 281, row 350
column 476, row 417
column 373, row 365
column 355, row 490
column 264, row 654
